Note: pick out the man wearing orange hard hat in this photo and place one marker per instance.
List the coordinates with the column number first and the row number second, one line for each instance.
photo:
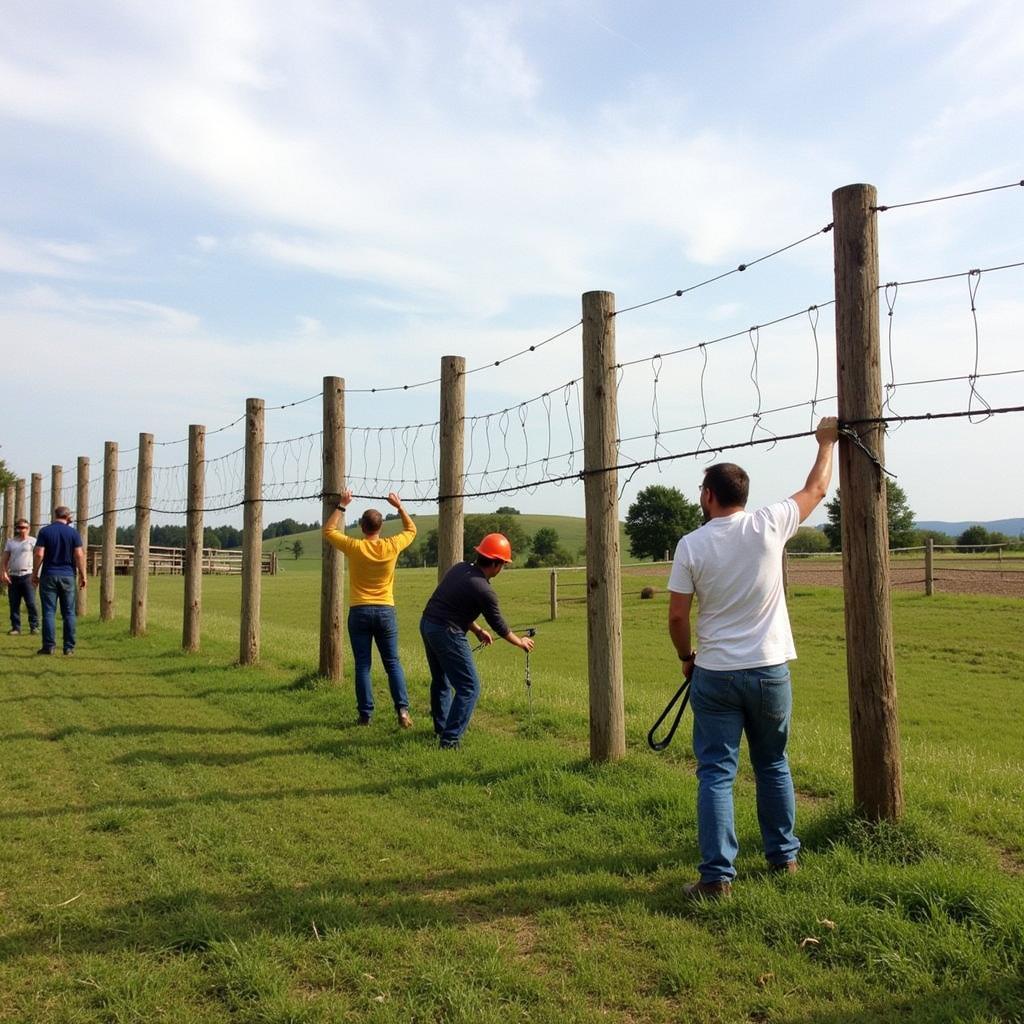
column 461, row 597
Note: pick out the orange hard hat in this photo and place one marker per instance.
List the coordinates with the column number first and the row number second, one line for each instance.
column 495, row 545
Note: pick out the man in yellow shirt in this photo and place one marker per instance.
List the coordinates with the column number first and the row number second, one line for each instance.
column 371, row 599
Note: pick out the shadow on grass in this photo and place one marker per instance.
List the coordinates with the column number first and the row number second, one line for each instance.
column 68, row 731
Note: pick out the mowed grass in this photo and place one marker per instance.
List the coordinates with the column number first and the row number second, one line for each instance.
column 186, row 840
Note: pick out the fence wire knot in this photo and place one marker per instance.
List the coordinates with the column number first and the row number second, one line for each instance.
column 854, row 437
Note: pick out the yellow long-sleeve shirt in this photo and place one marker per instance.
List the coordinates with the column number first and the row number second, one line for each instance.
column 371, row 563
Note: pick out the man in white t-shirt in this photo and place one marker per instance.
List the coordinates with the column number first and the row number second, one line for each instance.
column 16, row 573
column 739, row 679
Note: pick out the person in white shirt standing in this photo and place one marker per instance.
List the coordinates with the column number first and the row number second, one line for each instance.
column 17, row 575
column 739, row 677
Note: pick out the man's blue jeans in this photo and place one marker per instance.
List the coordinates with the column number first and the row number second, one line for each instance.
column 757, row 702
column 54, row 590
column 21, row 589
column 369, row 624
column 451, row 668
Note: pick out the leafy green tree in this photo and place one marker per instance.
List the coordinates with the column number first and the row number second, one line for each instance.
column 296, row 549
column 901, row 519
column 476, row 527
column 921, row 537
column 545, row 541
column 551, row 560
column 410, row 557
column 657, row 519
column 975, row 538
column 807, row 540
column 430, row 549
column 6, row 476
column 507, row 510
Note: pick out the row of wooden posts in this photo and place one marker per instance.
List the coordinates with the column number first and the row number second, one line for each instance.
column 877, row 778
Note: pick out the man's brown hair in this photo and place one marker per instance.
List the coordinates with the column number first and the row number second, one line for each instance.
column 370, row 521
column 728, row 483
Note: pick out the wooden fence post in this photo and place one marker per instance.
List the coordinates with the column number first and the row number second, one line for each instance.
column 82, row 522
column 19, row 498
column 56, row 487
column 252, row 534
column 929, row 567
column 877, row 773
column 35, row 504
column 9, row 515
column 604, row 590
column 193, row 565
column 109, row 531
column 451, row 441
column 554, row 595
column 332, row 572
column 140, row 557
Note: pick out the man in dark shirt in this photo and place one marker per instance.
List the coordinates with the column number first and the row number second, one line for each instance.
column 58, row 555
column 463, row 595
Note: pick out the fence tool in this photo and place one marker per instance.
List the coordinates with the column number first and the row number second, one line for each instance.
column 684, row 692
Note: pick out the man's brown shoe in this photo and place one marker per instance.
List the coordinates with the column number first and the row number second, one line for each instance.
column 404, row 719
column 707, row 890
column 789, row 868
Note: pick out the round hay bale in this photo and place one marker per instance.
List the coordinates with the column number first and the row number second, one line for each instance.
column 647, row 593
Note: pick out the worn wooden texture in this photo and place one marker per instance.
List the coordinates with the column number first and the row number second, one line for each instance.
column 252, row 535
column 332, row 572
column 140, row 567
column 82, row 523
column 192, row 612
column 19, row 498
column 56, row 489
column 874, row 727
column 109, row 530
column 35, row 504
column 604, row 598
column 451, row 446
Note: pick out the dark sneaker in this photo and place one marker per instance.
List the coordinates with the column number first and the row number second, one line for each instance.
column 45, row 650
column 449, row 744
column 707, row 890
column 363, row 719
column 69, row 652
column 789, row 868
column 34, row 630
column 404, row 718
column 15, row 632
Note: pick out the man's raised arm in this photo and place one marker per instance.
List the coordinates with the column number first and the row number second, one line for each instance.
column 820, row 476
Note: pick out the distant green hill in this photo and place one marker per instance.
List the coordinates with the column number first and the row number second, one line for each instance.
column 571, row 532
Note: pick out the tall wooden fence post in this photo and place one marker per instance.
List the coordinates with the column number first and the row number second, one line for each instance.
column 604, row 590
column 35, row 504
column 109, row 531
column 332, row 572
column 56, row 487
column 877, row 773
column 451, row 444
column 252, row 534
column 553, row 596
column 140, row 557
column 82, row 522
column 929, row 567
column 19, row 498
column 193, row 567
column 9, row 515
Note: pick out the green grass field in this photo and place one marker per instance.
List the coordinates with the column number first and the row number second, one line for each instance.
column 184, row 840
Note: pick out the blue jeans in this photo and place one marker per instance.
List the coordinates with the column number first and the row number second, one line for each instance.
column 757, row 701
column 451, row 669
column 369, row 623
column 21, row 589
column 54, row 590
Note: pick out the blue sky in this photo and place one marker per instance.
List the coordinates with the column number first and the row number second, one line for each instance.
column 200, row 202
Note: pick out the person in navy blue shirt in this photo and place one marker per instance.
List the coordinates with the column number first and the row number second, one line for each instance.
column 58, row 556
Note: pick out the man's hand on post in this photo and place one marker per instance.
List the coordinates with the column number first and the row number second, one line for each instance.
column 827, row 431
column 394, row 500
